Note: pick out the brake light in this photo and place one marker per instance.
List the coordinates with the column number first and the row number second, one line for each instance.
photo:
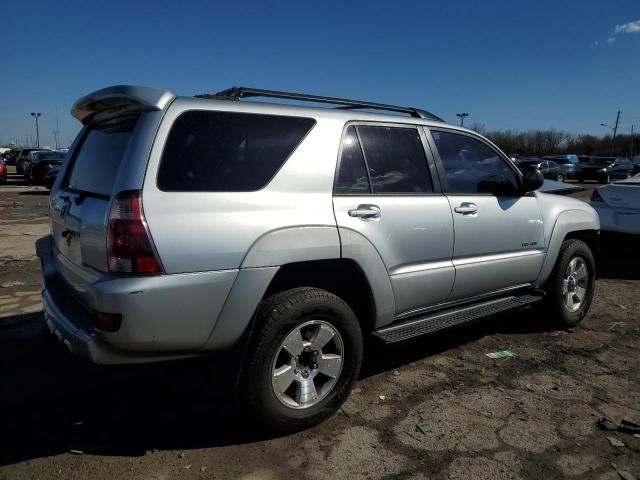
column 595, row 196
column 129, row 245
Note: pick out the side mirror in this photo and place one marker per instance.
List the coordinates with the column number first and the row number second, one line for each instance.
column 532, row 178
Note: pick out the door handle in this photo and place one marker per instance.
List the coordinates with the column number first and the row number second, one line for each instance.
column 466, row 208
column 366, row 212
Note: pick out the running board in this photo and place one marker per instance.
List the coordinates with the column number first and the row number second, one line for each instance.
column 441, row 320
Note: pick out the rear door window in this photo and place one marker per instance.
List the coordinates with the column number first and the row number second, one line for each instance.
column 97, row 159
column 352, row 175
column 227, row 152
column 383, row 160
column 395, row 159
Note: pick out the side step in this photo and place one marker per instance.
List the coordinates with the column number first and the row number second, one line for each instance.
column 433, row 322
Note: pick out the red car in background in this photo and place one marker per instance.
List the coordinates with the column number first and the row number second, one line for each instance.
column 3, row 171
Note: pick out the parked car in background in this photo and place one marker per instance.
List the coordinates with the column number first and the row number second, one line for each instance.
column 585, row 158
column 606, row 169
column 22, row 156
column 3, row 170
column 618, row 205
column 11, row 156
column 550, row 169
column 635, row 161
column 39, row 163
column 569, row 165
column 49, row 177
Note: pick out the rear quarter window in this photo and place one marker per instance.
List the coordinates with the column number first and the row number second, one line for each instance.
column 210, row 151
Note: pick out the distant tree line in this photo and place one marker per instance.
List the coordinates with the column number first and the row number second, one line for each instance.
column 552, row 142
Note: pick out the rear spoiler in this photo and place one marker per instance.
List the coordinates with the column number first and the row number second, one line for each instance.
column 120, row 99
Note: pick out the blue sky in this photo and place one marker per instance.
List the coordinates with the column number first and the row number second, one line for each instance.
column 510, row 64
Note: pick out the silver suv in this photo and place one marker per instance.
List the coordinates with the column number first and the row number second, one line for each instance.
column 284, row 236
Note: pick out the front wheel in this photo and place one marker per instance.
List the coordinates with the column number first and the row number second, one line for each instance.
column 571, row 286
column 303, row 360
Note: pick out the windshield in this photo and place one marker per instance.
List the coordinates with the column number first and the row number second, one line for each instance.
column 603, row 161
column 50, row 156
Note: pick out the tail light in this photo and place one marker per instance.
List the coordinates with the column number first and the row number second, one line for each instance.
column 129, row 246
column 595, row 196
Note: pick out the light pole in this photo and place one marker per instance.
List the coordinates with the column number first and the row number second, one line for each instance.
column 36, row 115
column 461, row 117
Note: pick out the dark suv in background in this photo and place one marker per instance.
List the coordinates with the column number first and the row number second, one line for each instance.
column 41, row 167
column 606, row 169
column 21, row 156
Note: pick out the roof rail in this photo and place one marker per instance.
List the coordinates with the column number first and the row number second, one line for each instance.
column 235, row 93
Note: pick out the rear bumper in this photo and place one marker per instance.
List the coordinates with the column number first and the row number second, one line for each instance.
column 163, row 317
column 618, row 220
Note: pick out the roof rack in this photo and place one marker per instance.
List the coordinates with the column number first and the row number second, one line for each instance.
column 235, row 93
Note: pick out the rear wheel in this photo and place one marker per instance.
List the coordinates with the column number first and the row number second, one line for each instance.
column 304, row 360
column 571, row 286
column 560, row 178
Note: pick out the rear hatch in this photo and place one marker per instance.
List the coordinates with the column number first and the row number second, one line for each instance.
column 109, row 156
column 80, row 206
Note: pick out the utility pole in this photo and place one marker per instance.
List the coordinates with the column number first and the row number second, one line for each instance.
column 615, row 130
column 36, row 115
column 461, row 117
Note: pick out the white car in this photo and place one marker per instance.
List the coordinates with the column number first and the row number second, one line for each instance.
column 618, row 205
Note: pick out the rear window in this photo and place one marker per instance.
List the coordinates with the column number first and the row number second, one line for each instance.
column 223, row 151
column 96, row 162
column 50, row 156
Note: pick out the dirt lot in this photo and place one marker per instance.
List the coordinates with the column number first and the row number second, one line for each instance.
column 436, row 408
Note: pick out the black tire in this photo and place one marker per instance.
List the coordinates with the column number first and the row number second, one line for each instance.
column 569, row 250
column 560, row 178
column 275, row 318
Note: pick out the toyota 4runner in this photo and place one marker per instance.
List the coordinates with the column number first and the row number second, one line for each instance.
column 182, row 226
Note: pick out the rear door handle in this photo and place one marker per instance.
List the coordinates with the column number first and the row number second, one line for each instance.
column 466, row 208
column 366, row 212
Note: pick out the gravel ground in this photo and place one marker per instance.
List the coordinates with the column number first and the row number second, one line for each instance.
column 433, row 408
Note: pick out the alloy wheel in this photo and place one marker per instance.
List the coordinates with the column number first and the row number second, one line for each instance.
column 575, row 284
column 307, row 364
